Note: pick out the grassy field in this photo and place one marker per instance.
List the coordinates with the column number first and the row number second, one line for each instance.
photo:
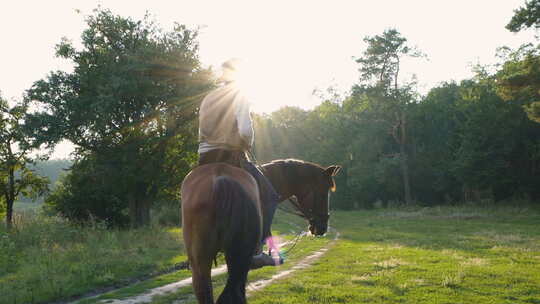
column 304, row 247
column 285, row 225
column 431, row 255
column 462, row 254
column 47, row 259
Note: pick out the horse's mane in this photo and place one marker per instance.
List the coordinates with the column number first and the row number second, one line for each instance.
column 296, row 167
column 295, row 162
column 300, row 169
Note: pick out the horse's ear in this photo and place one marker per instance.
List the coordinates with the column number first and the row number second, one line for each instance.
column 332, row 170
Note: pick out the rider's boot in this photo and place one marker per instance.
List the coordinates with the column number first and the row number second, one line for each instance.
column 264, row 259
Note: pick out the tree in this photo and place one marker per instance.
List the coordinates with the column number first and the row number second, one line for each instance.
column 498, row 146
column 436, row 120
column 379, row 87
column 16, row 178
column 525, row 17
column 518, row 80
column 129, row 105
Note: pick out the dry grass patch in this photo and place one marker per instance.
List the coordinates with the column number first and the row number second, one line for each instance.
column 443, row 213
column 474, row 262
column 453, row 280
column 395, row 246
column 452, row 253
column 375, row 248
column 502, row 239
column 390, row 264
column 508, row 238
column 364, row 277
column 419, row 282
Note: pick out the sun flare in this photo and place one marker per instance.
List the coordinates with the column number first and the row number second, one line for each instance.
column 251, row 83
column 258, row 83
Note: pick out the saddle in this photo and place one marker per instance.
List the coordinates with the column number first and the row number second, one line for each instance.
column 238, row 159
column 233, row 158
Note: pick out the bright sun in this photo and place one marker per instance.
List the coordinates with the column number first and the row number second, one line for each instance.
column 256, row 85
column 266, row 85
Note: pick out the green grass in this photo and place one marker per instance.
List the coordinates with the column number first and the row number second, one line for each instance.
column 285, row 225
column 48, row 259
column 304, row 247
column 430, row 255
column 466, row 254
column 138, row 288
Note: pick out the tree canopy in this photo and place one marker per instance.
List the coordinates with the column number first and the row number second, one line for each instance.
column 16, row 176
column 128, row 106
column 525, row 17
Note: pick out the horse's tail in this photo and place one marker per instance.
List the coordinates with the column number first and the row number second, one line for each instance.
column 239, row 219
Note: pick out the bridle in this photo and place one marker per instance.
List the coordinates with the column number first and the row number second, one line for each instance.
column 308, row 213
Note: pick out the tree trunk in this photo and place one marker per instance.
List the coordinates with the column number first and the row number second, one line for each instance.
column 10, row 199
column 144, row 211
column 139, row 211
column 404, row 160
column 132, row 205
column 9, row 214
column 405, row 175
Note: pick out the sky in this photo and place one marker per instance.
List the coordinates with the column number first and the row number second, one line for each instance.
column 291, row 47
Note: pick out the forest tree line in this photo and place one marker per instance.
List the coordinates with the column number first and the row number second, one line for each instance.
column 131, row 102
column 53, row 170
column 464, row 143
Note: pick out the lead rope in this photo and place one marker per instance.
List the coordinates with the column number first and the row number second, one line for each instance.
column 296, row 239
column 300, row 234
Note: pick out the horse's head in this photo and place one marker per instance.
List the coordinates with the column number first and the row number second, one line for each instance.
column 314, row 198
column 310, row 184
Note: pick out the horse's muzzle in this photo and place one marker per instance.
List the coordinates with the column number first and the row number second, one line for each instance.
column 317, row 230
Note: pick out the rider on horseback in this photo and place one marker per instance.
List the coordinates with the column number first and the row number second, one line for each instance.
column 226, row 135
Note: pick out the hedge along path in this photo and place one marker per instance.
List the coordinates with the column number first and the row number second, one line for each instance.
column 252, row 287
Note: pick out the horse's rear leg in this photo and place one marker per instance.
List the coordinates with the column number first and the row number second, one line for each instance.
column 202, row 281
column 201, row 245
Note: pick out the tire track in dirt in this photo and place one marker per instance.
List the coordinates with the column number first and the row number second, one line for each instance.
column 147, row 296
column 302, row 264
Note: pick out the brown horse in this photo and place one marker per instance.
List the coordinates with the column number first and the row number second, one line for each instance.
column 221, row 211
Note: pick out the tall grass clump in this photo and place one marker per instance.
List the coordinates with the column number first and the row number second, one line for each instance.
column 48, row 258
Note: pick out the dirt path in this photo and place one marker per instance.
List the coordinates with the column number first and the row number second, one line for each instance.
column 252, row 287
column 147, row 296
column 302, row 264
